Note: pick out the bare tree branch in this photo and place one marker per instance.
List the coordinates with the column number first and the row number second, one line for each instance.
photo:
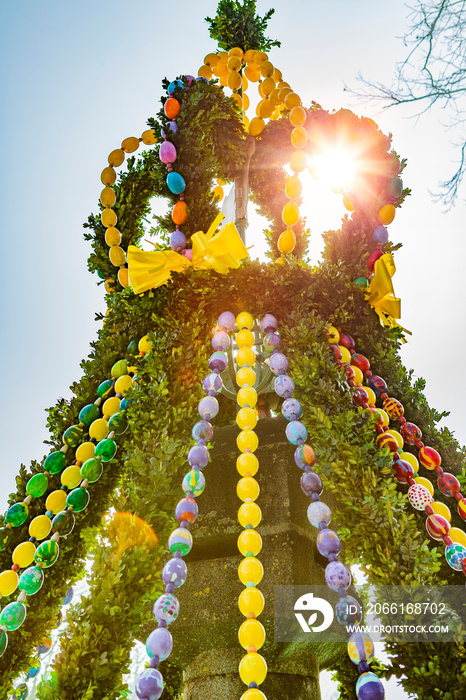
column 432, row 74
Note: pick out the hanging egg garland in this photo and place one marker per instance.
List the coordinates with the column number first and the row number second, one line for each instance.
column 406, row 465
column 108, row 216
column 348, row 611
column 166, row 608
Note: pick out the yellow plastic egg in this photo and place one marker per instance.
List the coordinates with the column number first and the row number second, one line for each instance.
column 247, row 463
column 274, row 97
column 246, row 418
column 211, row 60
column 112, row 236
column 117, row 255
column 399, row 440
column 277, row 75
column 41, row 526
column 268, row 86
column 85, row 451
column 251, row 634
column 441, row 509
column 245, row 320
column 252, row 669
column 56, row 501
column 250, row 571
column 116, row 157
column 247, row 440
column 108, row 197
column 130, row 144
column 247, row 487
column 145, row 345
column 251, row 602
column 298, row 161
column 245, row 337
column 411, row 459
column 245, row 356
column 249, row 542
column 347, row 203
column 249, row 514
column 236, row 51
column 299, row 137
column 123, row 384
column 333, row 335
column 8, row 582
column 290, row 213
column 292, row 100
column 247, row 396
column 218, row 191
column 98, row 429
column 234, row 80
column 345, row 354
column 23, row 554
column 260, row 57
column 266, row 69
column 298, row 117
column 256, row 126
column 245, row 375
column 252, row 73
column 108, row 218
column 205, row 72
column 425, row 482
column 108, row 176
column 293, row 187
column 111, row 406
column 249, row 55
column 245, row 103
column 234, row 62
column 123, row 277
column 284, row 92
column 253, row 694
column 371, row 396
column 386, row 214
column 458, row 535
column 358, row 377
column 71, row 477
column 148, row 137
column 220, row 70
column 265, row 109
column 109, row 285
column 287, row 241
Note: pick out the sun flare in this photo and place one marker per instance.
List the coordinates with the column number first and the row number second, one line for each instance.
column 335, row 167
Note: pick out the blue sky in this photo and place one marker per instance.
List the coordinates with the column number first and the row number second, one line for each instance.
column 77, row 78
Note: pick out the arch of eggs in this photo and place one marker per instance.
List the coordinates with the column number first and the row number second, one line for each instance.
column 235, row 69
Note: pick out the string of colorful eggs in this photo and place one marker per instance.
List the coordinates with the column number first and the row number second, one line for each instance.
column 251, row 635
column 277, row 96
column 337, row 576
column 108, row 216
column 405, row 464
column 61, row 506
column 159, row 644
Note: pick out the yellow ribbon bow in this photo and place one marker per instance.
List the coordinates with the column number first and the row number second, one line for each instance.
column 380, row 293
column 211, row 251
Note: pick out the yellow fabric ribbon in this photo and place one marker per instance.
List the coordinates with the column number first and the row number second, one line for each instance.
column 381, row 295
column 211, row 251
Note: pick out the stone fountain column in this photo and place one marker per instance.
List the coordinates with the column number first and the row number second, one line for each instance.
column 206, row 643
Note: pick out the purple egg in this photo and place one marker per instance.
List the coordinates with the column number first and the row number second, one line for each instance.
column 171, row 128
column 175, row 571
column 178, row 241
column 218, row 362
column 226, row 321
column 328, row 542
column 220, row 341
column 278, row 363
column 311, row 483
column 149, row 685
column 189, row 79
column 295, row 431
column 337, row 575
column 212, row 382
column 290, row 408
column 284, row 384
column 198, row 456
column 159, row 643
column 268, row 323
column 208, row 407
column 203, row 430
column 166, row 608
column 167, row 152
column 380, row 235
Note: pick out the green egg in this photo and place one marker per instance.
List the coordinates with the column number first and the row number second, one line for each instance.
column 5, row 534
column 105, row 388
column 78, row 498
column 92, row 469
column 46, row 553
column 37, row 485
column 119, row 369
column 17, row 514
column 31, row 580
column 106, row 449
column 72, row 436
column 13, row 616
column 118, row 423
column 55, row 462
column 89, row 414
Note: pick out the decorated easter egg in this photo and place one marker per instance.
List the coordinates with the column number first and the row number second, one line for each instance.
column 63, row 523
column 429, row 457
column 377, row 384
column 455, row 555
column 149, row 685
column 411, row 433
column 304, row 455
column 437, row 526
column 393, row 407
column 17, row 514
column 180, row 540
column 72, row 436
column 419, row 496
column 328, row 542
column 194, row 482
column 218, row 362
column 13, row 615
column 31, row 580
column 337, row 575
column 175, row 571
column 89, row 413
column 47, row 553
column 212, row 383
column 318, row 512
column 311, row 483
column 403, row 471
column 348, row 611
column 278, row 363
column 3, row 642
column 159, row 643
column 291, row 409
column 20, row 692
column 37, row 485
column 186, row 509
column 369, row 687
column 283, row 385
column 448, row 484
column 176, row 183
column 78, row 498
column 166, row 607
column 360, row 647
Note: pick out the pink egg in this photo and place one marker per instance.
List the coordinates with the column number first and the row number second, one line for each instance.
column 167, row 152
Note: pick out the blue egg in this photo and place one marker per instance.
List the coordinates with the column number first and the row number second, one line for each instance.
column 176, row 183
column 174, row 84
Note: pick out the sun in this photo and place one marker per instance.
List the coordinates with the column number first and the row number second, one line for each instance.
column 336, row 167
